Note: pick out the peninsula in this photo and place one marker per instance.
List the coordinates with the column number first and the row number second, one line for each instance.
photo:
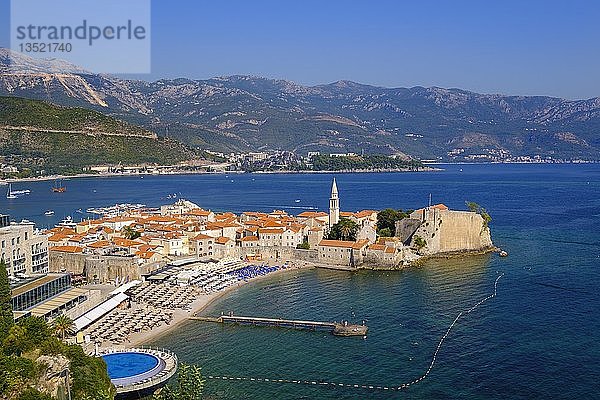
column 133, row 273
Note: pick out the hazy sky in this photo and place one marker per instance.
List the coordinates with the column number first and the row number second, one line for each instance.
column 524, row 47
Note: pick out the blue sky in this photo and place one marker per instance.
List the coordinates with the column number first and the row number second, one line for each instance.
column 526, row 47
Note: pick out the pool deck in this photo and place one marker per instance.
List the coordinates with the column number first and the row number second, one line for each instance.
column 157, row 376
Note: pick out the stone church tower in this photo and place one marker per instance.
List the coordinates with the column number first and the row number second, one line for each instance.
column 334, row 205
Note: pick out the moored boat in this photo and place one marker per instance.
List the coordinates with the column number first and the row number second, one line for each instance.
column 59, row 187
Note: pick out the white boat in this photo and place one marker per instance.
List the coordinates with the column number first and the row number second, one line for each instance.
column 49, row 212
column 67, row 223
column 13, row 194
column 10, row 194
column 297, row 201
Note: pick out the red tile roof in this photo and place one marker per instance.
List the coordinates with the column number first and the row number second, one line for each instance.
column 67, row 249
column 222, row 240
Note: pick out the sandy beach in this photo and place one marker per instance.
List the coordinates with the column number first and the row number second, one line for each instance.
column 197, row 306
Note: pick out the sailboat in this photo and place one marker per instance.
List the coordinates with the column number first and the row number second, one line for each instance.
column 10, row 194
column 58, row 187
column 13, row 194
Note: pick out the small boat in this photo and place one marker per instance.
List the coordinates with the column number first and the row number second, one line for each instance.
column 59, row 187
column 13, row 194
column 49, row 212
column 67, row 223
column 10, row 194
column 297, row 201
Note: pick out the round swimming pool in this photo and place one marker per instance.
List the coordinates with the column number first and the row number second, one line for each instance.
column 129, row 364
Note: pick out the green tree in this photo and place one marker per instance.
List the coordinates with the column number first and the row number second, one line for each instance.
column 476, row 208
column 385, row 232
column 34, row 394
column 63, row 326
column 419, row 242
column 6, row 314
column 14, row 374
column 188, row 387
column 15, row 341
column 386, row 219
column 345, row 229
column 130, row 233
column 304, row 245
column 37, row 331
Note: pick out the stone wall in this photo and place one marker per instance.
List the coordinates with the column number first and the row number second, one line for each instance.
column 453, row 231
column 405, row 228
column 97, row 268
column 67, row 262
column 277, row 253
column 103, row 269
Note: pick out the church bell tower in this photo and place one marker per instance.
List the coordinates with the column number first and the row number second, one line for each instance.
column 334, row 205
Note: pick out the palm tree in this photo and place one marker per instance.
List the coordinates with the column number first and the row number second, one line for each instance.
column 63, row 326
column 346, row 231
column 130, row 233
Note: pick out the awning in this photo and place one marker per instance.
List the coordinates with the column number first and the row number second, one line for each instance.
column 57, row 302
column 123, row 288
column 99, row 311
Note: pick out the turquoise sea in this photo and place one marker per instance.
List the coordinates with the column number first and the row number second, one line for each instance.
column 538, row 339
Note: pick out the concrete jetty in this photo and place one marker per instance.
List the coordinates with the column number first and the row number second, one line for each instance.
column 336, row 328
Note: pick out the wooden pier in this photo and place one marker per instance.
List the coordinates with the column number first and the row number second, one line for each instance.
column 336, row 328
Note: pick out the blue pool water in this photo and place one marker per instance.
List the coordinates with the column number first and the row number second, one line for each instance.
column 123, row 365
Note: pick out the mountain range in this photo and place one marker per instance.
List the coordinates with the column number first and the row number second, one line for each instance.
column 245, row 113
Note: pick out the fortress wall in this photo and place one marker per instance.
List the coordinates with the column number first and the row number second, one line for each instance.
column 449, row 231
column 462, row 230
column 277, row 253
column 406, row 227
column 107, row 268
column 66, row 262
column 100, row 268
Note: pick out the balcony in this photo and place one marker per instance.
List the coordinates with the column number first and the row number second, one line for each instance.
column 39, row 252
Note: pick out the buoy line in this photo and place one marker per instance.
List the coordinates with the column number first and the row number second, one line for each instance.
column 370, row 387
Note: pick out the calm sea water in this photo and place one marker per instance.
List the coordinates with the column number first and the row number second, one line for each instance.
column 539, row 338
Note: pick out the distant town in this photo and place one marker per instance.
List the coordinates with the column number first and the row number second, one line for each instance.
column 284, row 161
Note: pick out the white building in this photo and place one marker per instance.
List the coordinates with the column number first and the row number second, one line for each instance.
column 23, row 249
